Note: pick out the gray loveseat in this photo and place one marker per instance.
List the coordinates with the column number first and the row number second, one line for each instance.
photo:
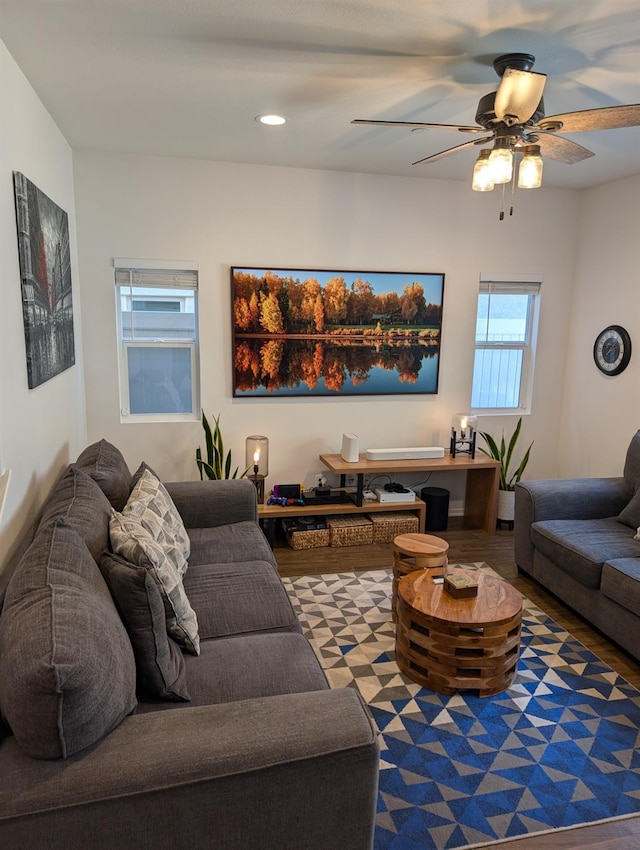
column 579, row 538
column 114, row 736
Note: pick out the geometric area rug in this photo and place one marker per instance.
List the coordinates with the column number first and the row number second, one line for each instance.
column 559, row 749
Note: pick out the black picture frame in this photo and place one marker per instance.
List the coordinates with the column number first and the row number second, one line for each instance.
column 334, row 332
column 45, row 275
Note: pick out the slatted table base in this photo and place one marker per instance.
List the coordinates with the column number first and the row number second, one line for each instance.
column 446, row 656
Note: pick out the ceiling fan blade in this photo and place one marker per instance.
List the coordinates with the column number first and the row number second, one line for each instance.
column 561, row 149
column 456, row 149
column 518, row 96
column 605, row 118
column 417, row 125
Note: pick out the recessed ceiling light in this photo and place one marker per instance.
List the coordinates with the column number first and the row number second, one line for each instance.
column 271, row 119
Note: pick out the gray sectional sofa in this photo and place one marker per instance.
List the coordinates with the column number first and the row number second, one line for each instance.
column 580, row 538
column 116, row 734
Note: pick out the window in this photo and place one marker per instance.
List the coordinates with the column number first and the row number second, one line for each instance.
column 506, row 327
column 157, row 323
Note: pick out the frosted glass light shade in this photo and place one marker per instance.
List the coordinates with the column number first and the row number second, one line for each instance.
column 464, row 424
column 482, row 176
column 257, row 455
column 501, row 162
column 530, row 171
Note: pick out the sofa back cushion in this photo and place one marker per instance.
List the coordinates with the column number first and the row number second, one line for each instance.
column 108, row 468
column 80, row 501
column 67, row 671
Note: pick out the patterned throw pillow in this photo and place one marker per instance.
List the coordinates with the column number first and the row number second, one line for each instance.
column 150, row 533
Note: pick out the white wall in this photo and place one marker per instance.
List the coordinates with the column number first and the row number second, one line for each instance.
column 40, row 429
column 601, row 413
column 224, row 214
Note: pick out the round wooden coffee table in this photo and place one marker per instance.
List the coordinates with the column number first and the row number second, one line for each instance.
column 448, row 644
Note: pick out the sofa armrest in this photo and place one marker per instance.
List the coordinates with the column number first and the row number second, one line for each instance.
column 563, row 498
column 294, row 770
column 203, row 504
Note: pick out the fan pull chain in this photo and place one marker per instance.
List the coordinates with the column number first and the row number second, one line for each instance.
column 502, row 205
column 513, row 190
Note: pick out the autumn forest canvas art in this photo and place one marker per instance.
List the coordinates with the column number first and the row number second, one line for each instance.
column 324, row 332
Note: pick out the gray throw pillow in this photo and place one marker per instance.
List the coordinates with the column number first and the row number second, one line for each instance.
column 159, row 660
column 150, row 533
column 137, row 475
column 78, row 499
column 631, row 470
column 67, row 671
column 108, row 468
column 630, row 515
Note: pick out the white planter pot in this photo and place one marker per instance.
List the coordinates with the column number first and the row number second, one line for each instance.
column 506, row 505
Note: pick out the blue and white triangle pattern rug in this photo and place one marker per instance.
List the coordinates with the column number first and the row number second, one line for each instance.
column 559, row 748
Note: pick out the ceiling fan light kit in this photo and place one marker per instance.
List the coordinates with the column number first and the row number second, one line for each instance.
column 515, row 119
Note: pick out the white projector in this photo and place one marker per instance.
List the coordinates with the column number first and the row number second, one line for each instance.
column 405, row 454
column 387, row 496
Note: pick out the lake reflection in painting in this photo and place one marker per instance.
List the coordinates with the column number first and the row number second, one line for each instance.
column 324, row 333
column 320, row 368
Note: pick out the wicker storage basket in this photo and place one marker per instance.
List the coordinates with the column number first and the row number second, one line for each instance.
column 350, row 530
column 299, row 537
column 390, row 525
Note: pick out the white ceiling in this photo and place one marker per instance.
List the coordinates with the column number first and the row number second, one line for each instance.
column 187, row 77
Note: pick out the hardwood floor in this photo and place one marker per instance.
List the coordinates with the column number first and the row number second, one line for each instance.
column 497, row 551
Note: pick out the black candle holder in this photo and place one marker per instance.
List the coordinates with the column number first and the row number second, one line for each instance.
column 461, row 444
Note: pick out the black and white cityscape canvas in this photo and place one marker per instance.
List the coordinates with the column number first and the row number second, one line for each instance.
column 45, row 273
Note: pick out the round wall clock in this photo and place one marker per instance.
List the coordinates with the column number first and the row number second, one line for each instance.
column 612, row 350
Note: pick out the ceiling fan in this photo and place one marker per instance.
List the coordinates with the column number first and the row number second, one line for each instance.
column 514, row 118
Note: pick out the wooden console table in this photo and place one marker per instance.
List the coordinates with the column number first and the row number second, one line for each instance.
column 268, row 514
column 483, row 481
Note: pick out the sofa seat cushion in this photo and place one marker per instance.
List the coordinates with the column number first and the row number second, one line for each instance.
column 581, row 547
column 108, row 468
column 159, row 659
column 233, row 543
column 77, row 499
column 233, row 598
column 621, row 582
column 67, row 671
column 149, row 533
column 239, row 668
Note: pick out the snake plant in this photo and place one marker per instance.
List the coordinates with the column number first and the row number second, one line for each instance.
column 217, row 465
column 504, row 454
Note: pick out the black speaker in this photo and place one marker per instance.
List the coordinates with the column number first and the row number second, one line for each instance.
column 437, row 502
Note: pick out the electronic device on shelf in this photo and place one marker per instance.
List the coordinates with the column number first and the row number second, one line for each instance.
column 415, row 453
column 395, row 495
column 350, row 448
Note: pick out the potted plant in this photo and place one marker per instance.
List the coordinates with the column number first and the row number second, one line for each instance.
column 216, row 465
column 508, row 480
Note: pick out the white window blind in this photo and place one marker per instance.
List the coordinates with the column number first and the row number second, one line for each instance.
column 157, row 323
